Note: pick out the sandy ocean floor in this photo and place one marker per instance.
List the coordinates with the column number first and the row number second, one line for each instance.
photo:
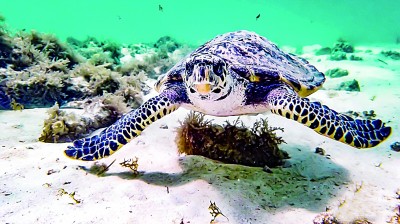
column 173, row 188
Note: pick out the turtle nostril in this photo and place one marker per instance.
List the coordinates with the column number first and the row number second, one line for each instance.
column 192, row 90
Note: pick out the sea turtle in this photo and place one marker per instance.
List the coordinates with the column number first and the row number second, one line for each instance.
column 233, row 74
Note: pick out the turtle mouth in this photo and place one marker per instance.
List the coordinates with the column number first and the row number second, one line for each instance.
column 202, row 87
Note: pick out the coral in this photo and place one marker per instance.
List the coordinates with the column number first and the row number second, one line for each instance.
column 231, row 143
column 336, row 73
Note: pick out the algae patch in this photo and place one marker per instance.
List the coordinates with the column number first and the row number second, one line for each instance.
column 231, row 143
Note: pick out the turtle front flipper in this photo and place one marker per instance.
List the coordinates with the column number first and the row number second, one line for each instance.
column 355, row 132
column 126, row 128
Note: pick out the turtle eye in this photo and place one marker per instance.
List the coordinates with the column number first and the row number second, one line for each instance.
column 218, row 69
column 188, row 68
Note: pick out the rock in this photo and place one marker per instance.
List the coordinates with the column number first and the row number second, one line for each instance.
column 391, row 54
column 338, row 56
column 323, row 51
column 267, row 169
column 336, row 73
column 349, row 86
column 395, row 146
column 355, row 58
column 343, row 46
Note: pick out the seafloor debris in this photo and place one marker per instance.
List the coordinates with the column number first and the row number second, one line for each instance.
column 325, row 218
column 395, row 146
column 131, row 164
column 231, row 143
column 355, row 58
column 215, row 211
column 391, row 54
column 336, row 72
column 320, row 151
column 62, row 192
column 329, row 218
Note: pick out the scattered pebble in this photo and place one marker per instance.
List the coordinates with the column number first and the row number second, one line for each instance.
column 267, row 169
column 320, row 151
column 323, row 51
column 163, row 126
column 355, row 58
column 49, row 172
column 395, row 146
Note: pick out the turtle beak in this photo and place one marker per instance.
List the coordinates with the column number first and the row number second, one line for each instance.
column 203, row 88
column 202, row 83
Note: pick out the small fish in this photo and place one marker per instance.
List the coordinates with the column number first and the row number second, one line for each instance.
column 258, row 16
column 160, row 8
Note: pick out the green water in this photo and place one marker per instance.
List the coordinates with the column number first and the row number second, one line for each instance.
column 286, row 22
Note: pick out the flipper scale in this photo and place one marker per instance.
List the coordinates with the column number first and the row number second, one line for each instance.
column 124, row 130
column 355, row 132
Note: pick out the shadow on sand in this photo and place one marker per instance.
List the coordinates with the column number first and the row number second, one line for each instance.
column 309, row 183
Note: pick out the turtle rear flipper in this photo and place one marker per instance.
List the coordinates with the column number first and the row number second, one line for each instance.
column 355, row 132
column 126, row 128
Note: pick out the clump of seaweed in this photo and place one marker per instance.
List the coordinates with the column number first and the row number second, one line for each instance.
column 231, row 143
column 63, row 126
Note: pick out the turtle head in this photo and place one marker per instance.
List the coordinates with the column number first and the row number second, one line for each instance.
column 205, row 75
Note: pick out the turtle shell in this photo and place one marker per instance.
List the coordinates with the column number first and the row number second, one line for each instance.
column 255, row 58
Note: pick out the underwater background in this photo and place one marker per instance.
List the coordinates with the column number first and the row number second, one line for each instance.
column 286, row 22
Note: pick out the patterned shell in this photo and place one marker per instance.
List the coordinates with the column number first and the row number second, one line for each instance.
column 255, row 58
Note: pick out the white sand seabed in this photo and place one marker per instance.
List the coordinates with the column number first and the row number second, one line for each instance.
column 173, row 188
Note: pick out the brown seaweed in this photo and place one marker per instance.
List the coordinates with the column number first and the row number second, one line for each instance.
column 232, row 142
